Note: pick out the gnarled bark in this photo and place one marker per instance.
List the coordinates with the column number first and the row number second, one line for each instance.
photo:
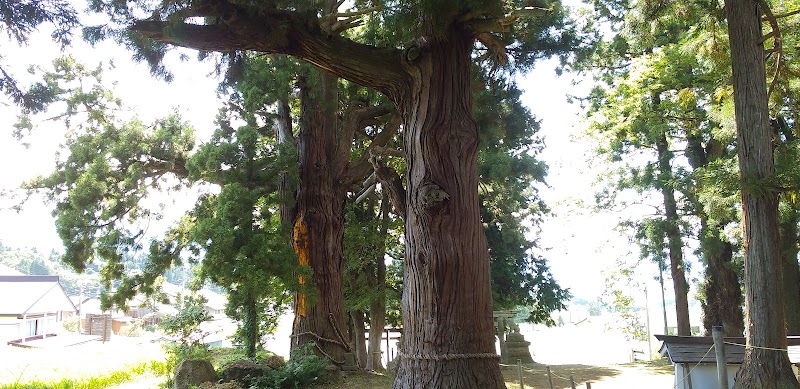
column 448, row 334
column 447, row 307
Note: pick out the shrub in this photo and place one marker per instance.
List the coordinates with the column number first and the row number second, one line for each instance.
column 302, row 369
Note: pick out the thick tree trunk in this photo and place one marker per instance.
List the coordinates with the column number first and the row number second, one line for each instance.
column 723, row 302
column 448, row 334
column 319, row 225
column 723, row 306
column 359, row 341
column 791, row 272
column 673, row 235
column 766, row 327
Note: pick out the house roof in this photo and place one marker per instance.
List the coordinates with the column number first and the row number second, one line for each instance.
column 695, row 349
column 32, row 295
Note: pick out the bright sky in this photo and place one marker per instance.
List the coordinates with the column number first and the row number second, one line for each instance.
column 580, row 245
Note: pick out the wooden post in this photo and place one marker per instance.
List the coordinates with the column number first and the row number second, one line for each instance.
column 722, row 364
column 387, row 346
column 571, row 381
column 588, row 385
column 501, row 337
column 687, row 376
column 519, row 370
column 549, row 378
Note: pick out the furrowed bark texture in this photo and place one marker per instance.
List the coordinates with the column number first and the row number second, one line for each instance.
column 319, row 226
column 762, row 368
column 448, row 334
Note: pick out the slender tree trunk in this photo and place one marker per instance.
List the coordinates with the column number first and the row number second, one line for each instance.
column 377, row 322
column 359, row 340
column 791, row 272
column 766, row 327
column 319, row 225
column 377, row 308
column 285, row 140
column 448, row 334
column 251, row 325
column 673, row 235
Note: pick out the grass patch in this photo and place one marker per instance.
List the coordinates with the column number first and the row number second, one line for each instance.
column 157, row 368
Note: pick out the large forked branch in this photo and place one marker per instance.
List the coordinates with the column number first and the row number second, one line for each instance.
column 362, row 167
column 356, row 119
column 283, row 32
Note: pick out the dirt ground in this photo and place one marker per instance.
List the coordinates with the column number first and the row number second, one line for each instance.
column 655, row 375
column 95, row 358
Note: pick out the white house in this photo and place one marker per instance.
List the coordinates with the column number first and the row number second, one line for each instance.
column 694, row 359
column 32, row 307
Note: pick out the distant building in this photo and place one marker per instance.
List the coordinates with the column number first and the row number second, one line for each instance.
column 695, row 363
column 32, row 307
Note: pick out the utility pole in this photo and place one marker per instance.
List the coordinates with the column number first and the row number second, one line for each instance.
column 647, row 312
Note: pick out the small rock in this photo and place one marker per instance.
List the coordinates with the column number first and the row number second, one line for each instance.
column 331, row 375
column 274, row 362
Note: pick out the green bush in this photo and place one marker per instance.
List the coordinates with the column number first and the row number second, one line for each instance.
column 224, row 356
column 302, row 369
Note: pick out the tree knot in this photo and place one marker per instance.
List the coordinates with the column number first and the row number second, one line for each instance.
column 413, row 53
column 432, row 194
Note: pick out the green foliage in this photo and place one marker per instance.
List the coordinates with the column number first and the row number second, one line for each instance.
column 18, row 20
column 99, row 187
column 245, row 246
column 659, row 118
column 221, row 357
column 369, row 233
column 304, row 368
column 619, row 299
column 185, row 324
column 509, row 172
